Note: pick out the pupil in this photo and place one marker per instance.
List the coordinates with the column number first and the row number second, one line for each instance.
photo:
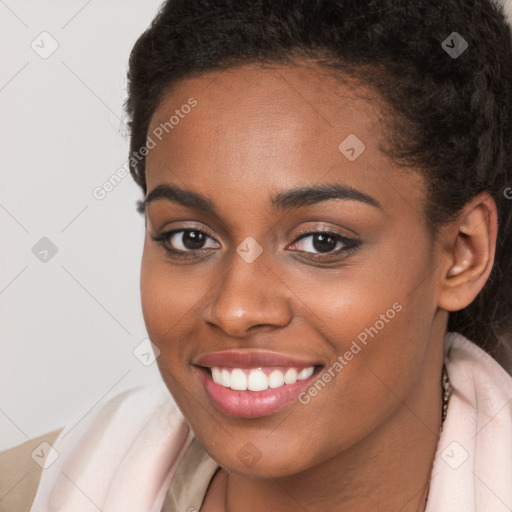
column 324, row 243
column 193, row 239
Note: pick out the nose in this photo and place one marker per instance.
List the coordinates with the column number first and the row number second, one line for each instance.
column 248, row 297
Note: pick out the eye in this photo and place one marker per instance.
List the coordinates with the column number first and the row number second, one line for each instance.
column 179, row 242
column 190, row 243
column 325, row 243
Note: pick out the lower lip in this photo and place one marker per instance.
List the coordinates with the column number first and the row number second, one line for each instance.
column 252, row 404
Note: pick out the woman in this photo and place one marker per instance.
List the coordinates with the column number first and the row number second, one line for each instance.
column 327, row 268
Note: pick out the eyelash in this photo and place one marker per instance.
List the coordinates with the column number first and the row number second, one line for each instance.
column 349, row 245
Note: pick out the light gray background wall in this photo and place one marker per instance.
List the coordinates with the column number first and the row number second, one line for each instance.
column 69, row 325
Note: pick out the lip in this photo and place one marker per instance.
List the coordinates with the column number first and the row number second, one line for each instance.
column 251, row 359
column 252, row 404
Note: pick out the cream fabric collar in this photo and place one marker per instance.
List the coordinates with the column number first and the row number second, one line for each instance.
column 472, row 469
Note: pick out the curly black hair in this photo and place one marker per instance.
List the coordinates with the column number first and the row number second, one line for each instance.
column 450, row 106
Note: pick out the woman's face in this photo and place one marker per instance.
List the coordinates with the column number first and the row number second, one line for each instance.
column 358, row 304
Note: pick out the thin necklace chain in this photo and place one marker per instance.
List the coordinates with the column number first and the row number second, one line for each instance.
column 446, row 393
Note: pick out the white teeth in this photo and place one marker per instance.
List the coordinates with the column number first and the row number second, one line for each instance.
column 256, row 379
column 238, row 380
column 216, row 375
column 225, row 378
column 290, row 377
column 306, row 373
column 275, row 379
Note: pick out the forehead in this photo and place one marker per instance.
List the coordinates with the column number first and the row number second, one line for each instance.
column 257, row 128
column 273, row 100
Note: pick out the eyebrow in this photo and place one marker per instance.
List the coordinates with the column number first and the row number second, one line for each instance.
column 289, row 199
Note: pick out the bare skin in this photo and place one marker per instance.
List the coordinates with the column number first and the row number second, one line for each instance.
column 368, row 439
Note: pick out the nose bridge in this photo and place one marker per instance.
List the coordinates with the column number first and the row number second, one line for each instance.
column 248, row 294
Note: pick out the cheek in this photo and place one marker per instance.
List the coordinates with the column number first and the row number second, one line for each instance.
column 377, row 316
column 379, row 293
column 162, row 304
column 171, row 306
column 154, row 298
column 165, row 298
column 167, row 310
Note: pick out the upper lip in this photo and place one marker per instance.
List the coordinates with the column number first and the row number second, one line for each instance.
column 251, row 359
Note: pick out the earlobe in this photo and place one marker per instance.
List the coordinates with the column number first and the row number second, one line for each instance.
column 471, row 253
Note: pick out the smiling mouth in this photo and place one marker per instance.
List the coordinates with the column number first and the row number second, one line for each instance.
column 256, row 392
column 260, row 378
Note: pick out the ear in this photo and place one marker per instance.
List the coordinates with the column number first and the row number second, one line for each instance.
column 470, row 249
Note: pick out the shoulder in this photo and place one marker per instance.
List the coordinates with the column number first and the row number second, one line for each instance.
column 20, row 471
column 468, row 362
